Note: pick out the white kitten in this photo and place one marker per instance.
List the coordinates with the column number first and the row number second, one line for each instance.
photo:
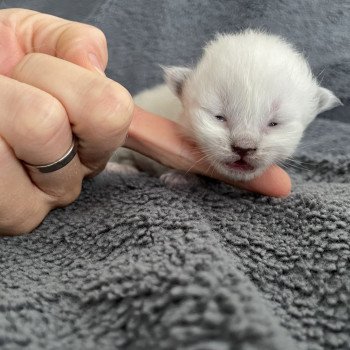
column 246, row 103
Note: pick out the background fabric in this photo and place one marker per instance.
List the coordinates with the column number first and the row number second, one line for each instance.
column 135, row 265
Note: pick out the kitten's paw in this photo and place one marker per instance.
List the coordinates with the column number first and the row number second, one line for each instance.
column 123, row 169
column 179, row 179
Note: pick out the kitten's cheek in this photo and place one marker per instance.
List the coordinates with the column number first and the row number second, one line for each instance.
column 265, row 159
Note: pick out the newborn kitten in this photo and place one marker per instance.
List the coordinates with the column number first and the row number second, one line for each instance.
column 246, row 103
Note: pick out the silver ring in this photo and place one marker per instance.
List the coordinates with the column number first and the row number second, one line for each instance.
column 58, row 164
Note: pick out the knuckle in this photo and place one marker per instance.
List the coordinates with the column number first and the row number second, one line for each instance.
column 80, row 35
column 65, row 192
column 24, row 67
column 20, row 221
column 98, row 34
column 63, row 197
column 70, row 196
column 110, row 107
column 39, row 123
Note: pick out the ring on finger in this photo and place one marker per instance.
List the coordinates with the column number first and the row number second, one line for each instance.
column 58, row 164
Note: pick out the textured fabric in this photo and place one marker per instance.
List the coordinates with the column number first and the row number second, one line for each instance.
column 134, row 265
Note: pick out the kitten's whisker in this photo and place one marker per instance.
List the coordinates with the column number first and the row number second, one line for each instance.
column 207, row 156
column 288, row 163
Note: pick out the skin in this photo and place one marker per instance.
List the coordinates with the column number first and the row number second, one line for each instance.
column 53, row 86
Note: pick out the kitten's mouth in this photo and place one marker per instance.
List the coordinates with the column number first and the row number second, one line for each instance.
column 240, row 164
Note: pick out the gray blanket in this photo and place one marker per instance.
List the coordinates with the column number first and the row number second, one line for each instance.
column 134, row 265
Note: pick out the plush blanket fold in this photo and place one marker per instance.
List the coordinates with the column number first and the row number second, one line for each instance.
column 135, row 265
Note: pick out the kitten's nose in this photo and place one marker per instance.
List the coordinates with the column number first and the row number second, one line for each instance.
column 242, row 152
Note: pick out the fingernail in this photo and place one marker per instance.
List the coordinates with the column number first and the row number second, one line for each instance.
column 96, row 63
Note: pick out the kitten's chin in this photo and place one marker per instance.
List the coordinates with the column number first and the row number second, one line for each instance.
column 244, row 173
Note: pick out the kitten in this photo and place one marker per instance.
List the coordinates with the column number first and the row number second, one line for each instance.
column 246, row 104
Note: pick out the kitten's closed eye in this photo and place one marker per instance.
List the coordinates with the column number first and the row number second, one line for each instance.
column 220, row 118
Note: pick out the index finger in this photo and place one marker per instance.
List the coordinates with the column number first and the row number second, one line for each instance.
column 158, row 138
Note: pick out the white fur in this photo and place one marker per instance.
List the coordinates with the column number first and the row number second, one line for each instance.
column 251, row 79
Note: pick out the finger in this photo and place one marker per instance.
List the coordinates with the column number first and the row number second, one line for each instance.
column 22, row 205
column 25, row 31
column 99, row 109
column 158, row 138
column 274, row 182
column 35, row 125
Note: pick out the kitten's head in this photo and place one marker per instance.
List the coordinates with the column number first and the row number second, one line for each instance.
column 248, row 101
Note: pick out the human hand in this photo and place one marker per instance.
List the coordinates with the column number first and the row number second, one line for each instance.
column 44, row 100
column 157, row 138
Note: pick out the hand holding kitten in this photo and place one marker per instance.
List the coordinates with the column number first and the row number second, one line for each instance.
column 52, row 87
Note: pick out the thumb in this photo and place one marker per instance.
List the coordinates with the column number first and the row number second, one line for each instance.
column 83, row 45
column 31, row 31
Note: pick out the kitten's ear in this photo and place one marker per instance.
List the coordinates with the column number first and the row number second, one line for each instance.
column 175, row 78
column 327, row 100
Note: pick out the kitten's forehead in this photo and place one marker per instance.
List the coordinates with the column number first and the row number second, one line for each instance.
column 251, row 75
column 236, row 97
